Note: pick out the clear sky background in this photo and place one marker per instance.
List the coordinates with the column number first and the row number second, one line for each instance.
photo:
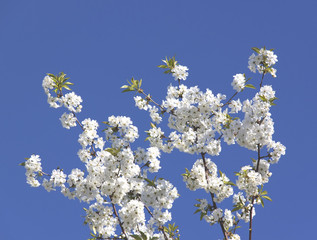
column 101, row 44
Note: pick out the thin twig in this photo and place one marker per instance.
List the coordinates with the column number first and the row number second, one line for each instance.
column 262, row 79
column 230, row 99
column 147, row 97
column 160, row 227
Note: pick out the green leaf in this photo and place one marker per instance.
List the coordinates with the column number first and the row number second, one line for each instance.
column 136, row 237
column 150, row 183
column 267, row 198
column 263, row 98
column 91, row 234
column 197, row 211
column 249, row 86
column 128, row 90
column 143, row 236
column 272, row 101
column 202, row 216
column 235, row 209
column 68, row 83
column 94, row 230
column 162, row 66
column 66, row 87
column 51, row 75
column 229, row 183
column 262, row 203
column 22, row 164
column 113, row 151
column 257, row 50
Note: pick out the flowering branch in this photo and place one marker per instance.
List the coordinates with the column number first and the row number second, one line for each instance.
column 199, row 122
column 160, row 227
column 120, row 223
column 253, row 197
column 212, row 196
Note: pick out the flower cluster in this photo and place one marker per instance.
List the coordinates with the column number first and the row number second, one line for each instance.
column 33, row 170
column 256, row 127
column 153, row 110
column 68, row 120
column 264, row 60
column 179, row 72
column 115, row 182
column 238, row 82
column 47, row 85
column 249, row 180
column 191, row 116
column 204, row 175
column 240, row 201
column 199, row 121
column 71, row 101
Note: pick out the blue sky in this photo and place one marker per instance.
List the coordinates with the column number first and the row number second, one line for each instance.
column 100, row 44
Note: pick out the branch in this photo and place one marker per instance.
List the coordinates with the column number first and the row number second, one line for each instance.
column 213, row 196
column 230, row 99
column 148, row 97
column 160, row 227
column 120, row 223
column 253, row 197
column 262, row 79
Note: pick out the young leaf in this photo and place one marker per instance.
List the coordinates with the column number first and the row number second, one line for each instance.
column 143, row 236
column 136, row 237
column 94, row 230
column 257, row 50
column 250, row 86
column 267, row 198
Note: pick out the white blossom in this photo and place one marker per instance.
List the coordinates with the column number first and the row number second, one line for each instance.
column 179, row 72
column 116, row 182
column 256, row 62
column 238, row 82
column 72, row 102
column 68, row 120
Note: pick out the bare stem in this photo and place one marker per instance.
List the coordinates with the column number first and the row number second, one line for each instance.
column 147, row 97
column 230, row 99
column 262, row 79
